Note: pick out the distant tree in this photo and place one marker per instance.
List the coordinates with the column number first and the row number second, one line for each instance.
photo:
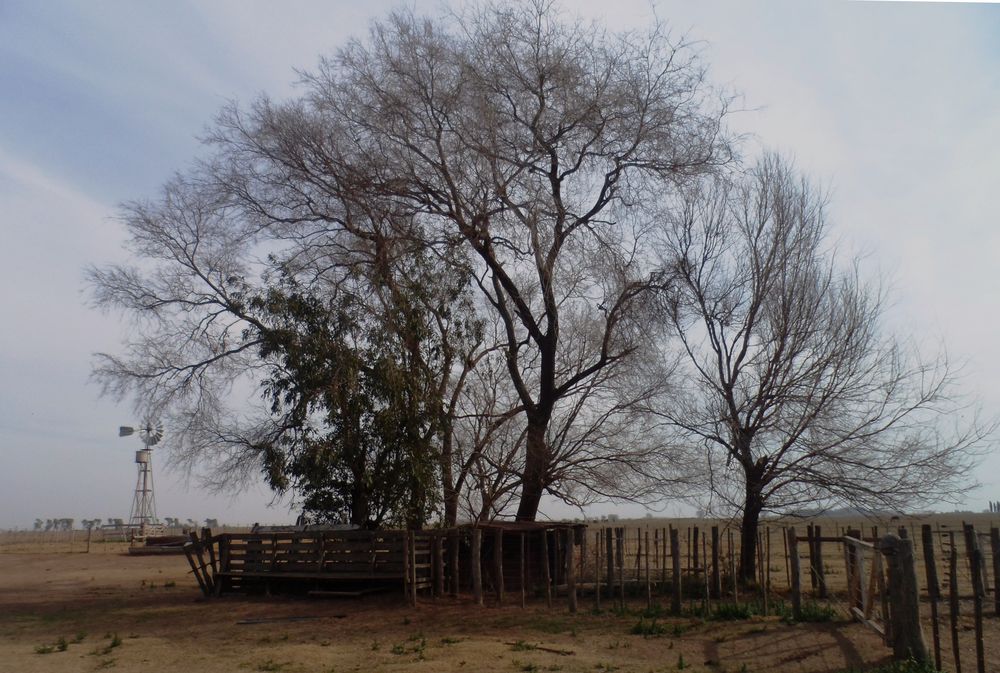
column 39, row 524
column 797, row 397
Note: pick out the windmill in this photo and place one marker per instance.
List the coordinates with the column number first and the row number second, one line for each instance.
column 143, row 516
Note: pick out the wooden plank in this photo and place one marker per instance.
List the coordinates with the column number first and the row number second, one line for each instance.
column 209, row 587
column 873, row 625
column 189, row 553
column 310, row 575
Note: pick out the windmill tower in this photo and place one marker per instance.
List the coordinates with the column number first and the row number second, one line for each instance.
column 142, row 519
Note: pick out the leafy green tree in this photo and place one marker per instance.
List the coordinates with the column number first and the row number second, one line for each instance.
column 360, row 412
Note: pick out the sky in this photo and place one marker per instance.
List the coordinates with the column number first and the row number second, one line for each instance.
column 893, row 106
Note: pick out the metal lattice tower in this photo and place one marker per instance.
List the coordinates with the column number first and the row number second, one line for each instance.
column 143, row 514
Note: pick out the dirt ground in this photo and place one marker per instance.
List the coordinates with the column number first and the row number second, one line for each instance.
column 87, row 612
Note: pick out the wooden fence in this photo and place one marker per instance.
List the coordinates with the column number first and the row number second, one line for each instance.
column 317, row 561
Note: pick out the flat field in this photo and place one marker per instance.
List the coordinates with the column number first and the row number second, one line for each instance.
column 62, row 611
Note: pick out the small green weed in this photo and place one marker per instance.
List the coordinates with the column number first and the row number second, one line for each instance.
column 44, row 649
column 909, row 666
column 732, row 612
column 812, row 612
column 521, row 646
column 647, row 629
column 106, row 650
column 271, row 665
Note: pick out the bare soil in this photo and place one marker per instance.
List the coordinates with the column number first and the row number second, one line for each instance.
column 88, row 612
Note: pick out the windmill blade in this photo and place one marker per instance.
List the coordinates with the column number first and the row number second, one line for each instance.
column 125, row 431
column 151, row 432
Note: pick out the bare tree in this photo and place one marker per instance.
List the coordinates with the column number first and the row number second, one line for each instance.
column 521, row 149
column 798, row 399
column 535, row 141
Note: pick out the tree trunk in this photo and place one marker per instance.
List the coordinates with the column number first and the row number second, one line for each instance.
column 360, row 506
column 752, row 507
column 449, row 491
column 536, row 465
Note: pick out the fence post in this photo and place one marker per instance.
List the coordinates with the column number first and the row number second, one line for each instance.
column 953, row 600
column 663, row 561
column 610, row 561
column 524, row 590
column 498, row 564
column 716, row 575
column 694, row 551
column 978, row 591
column 598, row 547
column 811, row 544
column 904, row 599
column 767, row 566
column 413, row 568
column 406, row 565
column 793, row 561
column 995, row 546
column 438, row 570
column 933, row 589
column 649, row 583
column 570, row 569
column 820, row 569
column 546, row 576
column 477, row 570
column 453, row 554
column 675, row 558
column 620, row 554
column 852, row 557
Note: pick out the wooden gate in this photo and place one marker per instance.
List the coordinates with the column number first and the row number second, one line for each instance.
column 868, row 600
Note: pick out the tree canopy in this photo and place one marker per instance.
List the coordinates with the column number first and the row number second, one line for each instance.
column 464, row 268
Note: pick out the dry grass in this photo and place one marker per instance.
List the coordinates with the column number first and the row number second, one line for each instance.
column 90, row 612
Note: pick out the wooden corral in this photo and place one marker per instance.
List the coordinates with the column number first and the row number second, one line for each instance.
column 531, row 556
column 538, row 553
column 349, row 561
